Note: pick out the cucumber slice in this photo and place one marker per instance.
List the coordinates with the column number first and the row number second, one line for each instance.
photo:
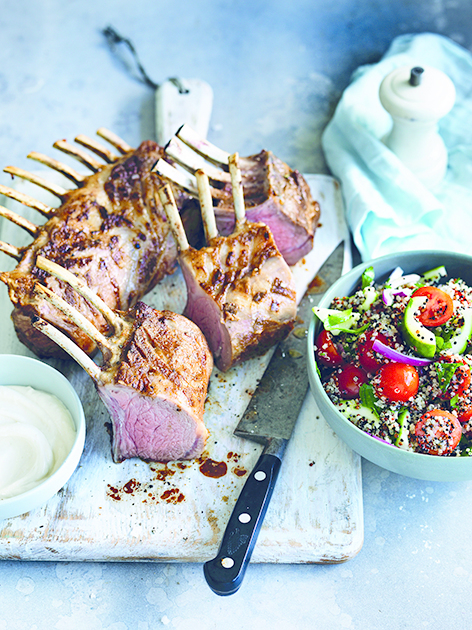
column 461, row 337
column 417, row 336
column 370, row 295
column 336, row 321
column 435, row 274
column 354, row 411
column 402, row 438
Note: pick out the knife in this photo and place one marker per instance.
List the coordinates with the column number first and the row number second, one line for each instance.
column 269, row 420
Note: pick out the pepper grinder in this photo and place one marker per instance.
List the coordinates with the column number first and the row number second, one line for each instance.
column 417, row 98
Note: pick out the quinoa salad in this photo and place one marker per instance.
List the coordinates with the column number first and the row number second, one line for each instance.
column 395, row 358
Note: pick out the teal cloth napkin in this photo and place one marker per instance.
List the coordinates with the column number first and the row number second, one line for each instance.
column 387, row 208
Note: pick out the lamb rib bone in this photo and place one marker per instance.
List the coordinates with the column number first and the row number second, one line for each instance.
column 240, row 291
column 27, row 225
column 117, row 142
column 186, row 157
column 206, row 204
column 238, row 194
column 204, row 148
column 26, row 200
column 154, row 377
column 64, row 169
column 56, row 190
column 97, row 148
column 86, row 159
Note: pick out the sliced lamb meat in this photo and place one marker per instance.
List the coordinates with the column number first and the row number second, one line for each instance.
column 110, row 231
column 274, row 193
column 240, row 290
column 154, row 377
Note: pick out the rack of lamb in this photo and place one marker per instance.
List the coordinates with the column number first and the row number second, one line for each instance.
column 154, row 376
column 108, row 230
column 274, row 193
column 240, row 290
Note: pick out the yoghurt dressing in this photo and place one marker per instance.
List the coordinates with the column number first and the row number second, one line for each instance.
column 36, row 435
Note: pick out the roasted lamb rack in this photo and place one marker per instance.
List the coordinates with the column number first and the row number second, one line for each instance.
column 274, row 193
column 154, row 376
column 109, row 230
column 240, row 290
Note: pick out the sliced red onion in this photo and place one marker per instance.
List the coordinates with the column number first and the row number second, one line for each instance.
column 388, row 294
column 387, row 297
column 402, row 292
column 399, row 357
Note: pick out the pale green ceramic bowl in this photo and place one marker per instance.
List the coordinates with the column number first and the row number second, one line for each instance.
column 20, row 370
column 417, row 465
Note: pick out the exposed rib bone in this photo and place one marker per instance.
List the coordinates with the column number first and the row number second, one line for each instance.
column 68, row 346
column 59, row 191
column 203, row 147
column 76, row 317
column 26, row 200
column 173, row 216
column 238, row 194
column 97, row 148
column 64, row 169
column 192, row 161
column 122, row 146
column 76, row 283
column 78, row 154
column 179, row 178
column 10, row 250
column 30, row 227
column 206, row 205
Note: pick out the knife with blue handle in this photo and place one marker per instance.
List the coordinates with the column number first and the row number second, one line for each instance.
column 269, row 420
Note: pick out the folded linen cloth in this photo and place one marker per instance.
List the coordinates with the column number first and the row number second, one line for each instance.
column 387, row 208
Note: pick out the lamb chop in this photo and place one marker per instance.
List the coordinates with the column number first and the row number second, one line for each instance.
column 110, row 230
column 154, row 376
column 274, row 193
column 240, row 290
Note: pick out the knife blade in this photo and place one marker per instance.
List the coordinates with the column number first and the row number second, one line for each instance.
column 269, row 420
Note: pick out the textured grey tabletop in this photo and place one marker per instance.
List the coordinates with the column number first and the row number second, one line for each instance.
column 277, row 70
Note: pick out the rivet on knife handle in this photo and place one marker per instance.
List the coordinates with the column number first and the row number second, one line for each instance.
column 224, row 574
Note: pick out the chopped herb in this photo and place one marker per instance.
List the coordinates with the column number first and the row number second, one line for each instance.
column 454, row 401
column 368, row 398
column 368, row 277
column 466, row 446
column 445, row 372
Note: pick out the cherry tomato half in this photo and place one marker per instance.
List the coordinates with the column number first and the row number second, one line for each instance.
column 326, row 351
column 438, row 432
column 349, row 380
column 438, row 309
column 464, row 412
column 368, row 358
column 398, row 382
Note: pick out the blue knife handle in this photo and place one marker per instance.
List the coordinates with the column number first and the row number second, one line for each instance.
column 224, row 574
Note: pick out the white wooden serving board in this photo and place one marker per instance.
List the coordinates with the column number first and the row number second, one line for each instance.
column 140, row 511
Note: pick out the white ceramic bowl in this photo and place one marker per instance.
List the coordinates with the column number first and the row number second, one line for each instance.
column 417, row 465
column 20, row 370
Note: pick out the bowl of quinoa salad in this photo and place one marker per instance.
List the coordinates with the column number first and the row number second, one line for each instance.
column 390, row 362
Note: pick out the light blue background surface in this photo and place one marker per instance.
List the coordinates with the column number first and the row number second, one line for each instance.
column 277, row 69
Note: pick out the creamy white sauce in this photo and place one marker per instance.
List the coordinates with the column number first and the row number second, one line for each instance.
column 36, row 435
